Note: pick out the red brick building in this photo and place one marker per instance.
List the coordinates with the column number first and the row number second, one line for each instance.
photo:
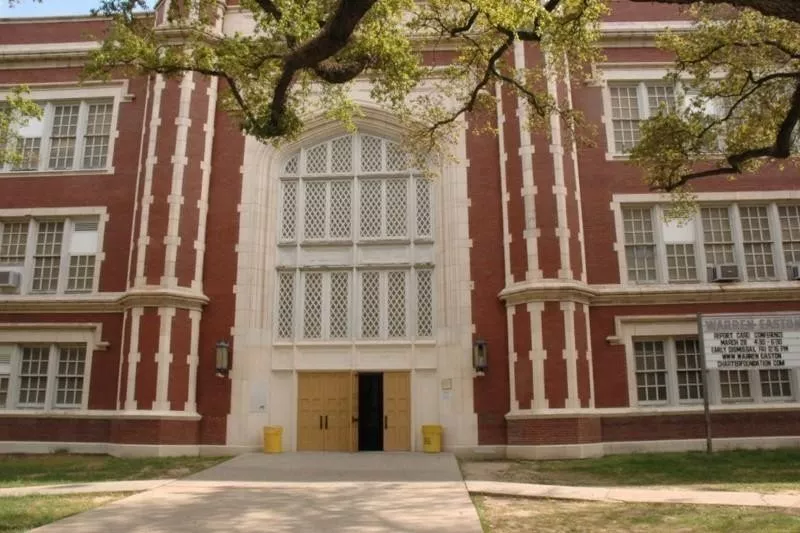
column 142, row 229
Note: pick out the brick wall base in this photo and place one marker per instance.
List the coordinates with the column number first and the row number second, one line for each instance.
column 540, row 431
column 545, row 431
column 100, row 430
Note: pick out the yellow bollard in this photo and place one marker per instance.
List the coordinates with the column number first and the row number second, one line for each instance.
column 272, row 439
column 432, row 439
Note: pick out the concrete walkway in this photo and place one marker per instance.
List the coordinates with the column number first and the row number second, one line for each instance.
column 298, row 492
column 634, row 494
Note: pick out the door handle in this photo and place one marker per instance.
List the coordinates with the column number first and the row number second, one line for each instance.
column 320, row 421
column 326, row 421
column 385, row 421
column 355, row 420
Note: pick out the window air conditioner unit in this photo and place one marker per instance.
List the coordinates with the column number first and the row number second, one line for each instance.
column 726, row 272
column 9, row 279
column 794, row 272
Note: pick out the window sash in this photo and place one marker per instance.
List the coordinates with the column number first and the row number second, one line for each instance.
column 738, row 233
column 632, row 102
column 44, row 376
column 40, row 249
column 354, row 304
column 667, row 371
column 76, row 135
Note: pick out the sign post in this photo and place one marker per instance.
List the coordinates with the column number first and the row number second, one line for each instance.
column 706, row 408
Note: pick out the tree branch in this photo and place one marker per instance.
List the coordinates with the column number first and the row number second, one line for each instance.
column 780, row 149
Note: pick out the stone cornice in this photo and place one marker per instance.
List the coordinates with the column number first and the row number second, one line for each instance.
column 160, row 297
column 547, row 290
column 104, row 302
column 606, row 295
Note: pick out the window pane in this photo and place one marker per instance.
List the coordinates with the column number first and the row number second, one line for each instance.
column 734, row 384
column 396, row 159
column 13, row 243
column 659, row 96
column 342, row 155
column 625, row 117
column 286, row 305
column 69, row 378
column 397, row 304
column 681, row 262
column 28, row 151
column 424, row 215
column 370, row 208
column 288, row 210
column 396, row 208
column 3, row 392
column 341, row 203
column 371, row 154
column 81, row 273
column 690, row 377
column 424, row 303
column 757, row 242
column 312, row 305
column 790, row 234
column 717, row 236
column 776, row 383
column 370, row 304
column 33, row 376
column 98, row 133
column 47, row 257
column 315, row 209
column 640, row 250
column 651, row 374
column 62, row 138
column 317, row 159
column 340, row 300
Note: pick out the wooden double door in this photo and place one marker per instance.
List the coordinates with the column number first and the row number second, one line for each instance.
column 343, row 411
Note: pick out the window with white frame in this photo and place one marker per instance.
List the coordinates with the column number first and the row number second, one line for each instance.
column 355, row 182
column 632, row 102
column 760, row 241
column 43, row 376
column 70, row 135
column 668, row 371
column 52, row 255
column 351, row 193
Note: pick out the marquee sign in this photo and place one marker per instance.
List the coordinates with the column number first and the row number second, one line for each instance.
column 743, row 341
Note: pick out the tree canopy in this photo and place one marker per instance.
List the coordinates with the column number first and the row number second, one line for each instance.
column 738, row 68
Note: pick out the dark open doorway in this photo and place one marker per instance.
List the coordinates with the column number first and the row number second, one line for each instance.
column 370, row 412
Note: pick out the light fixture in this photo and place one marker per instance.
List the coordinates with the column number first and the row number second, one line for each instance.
column 223, row 357
column 480, row 355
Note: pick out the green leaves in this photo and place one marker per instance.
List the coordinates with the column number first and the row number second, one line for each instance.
column 15, row 113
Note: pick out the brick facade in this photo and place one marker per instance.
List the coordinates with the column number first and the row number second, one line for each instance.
column 546, row 289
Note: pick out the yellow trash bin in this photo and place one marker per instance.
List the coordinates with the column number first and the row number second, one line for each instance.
column 432, row 439
column 272, row 439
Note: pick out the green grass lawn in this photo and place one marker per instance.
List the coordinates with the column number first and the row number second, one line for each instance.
column 23, row 513
column 517, row 515
column 757, row 470
column 18, row 470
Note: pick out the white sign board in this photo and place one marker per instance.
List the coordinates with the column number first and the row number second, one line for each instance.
column 751, row 341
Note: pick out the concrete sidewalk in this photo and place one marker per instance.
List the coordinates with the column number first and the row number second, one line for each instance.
column 634, row 494
column 298, row 492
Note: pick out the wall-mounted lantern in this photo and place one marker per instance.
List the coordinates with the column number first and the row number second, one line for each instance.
column 480, row 356
column 223, row 357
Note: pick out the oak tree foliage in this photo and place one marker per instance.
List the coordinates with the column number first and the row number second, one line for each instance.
column 738, row 70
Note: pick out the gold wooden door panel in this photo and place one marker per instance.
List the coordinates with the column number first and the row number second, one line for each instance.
column 325, row 411
column 310, row 403
column 396, row 411
column 338, row 413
